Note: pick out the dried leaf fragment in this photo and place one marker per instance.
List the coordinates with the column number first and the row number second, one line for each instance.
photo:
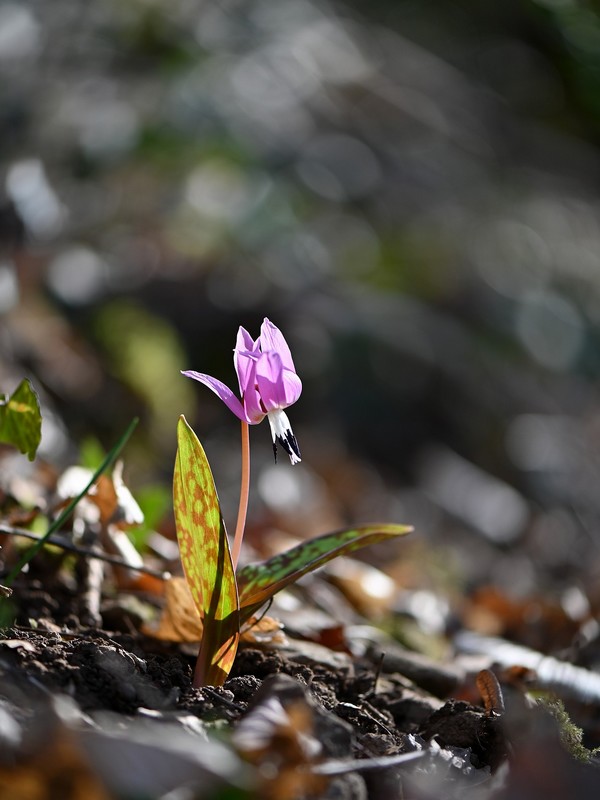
column 490, row 691
column 179, row 621
column 263, row 632
column 279, row 740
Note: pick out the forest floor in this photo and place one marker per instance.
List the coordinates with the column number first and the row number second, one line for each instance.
column 110, row 712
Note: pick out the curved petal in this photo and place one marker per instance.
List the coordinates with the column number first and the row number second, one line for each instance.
column 272, row 340
column 251, row 398
column 244, row 341
column 244, row 345
column 292, row 387
column 222, row 391
column 269, row 378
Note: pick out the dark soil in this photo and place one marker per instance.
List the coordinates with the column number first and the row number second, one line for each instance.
column 359, row 708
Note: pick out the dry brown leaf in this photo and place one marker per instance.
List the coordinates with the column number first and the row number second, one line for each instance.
column 490, row 692
column 105, row 497
column 100, row 503
column 16, row 644
column 333, row 638
column 180, row 621
column 533, row 621
column 108, row 500
column 278, row 738
column 140, row 582
column 263, row 632
column 367, row 588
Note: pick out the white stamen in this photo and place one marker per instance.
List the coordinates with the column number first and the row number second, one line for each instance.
column 282, row 434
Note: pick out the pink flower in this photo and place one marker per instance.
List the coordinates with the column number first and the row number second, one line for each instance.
column 268, row 384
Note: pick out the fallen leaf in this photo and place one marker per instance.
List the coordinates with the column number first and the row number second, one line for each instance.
column 13, row 644
column 532, row 621
column 263, row 632
column 179, row 621
column 367, row 588
column 278, row 738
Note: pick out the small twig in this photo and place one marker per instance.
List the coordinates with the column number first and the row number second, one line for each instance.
column 375, row 715
column 92, row 575
column 58, row 541
column 341, row 766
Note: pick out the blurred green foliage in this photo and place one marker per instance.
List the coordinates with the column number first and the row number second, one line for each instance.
column 146, row 355
column 91, row 453
column 156, row 503
column 408, row 190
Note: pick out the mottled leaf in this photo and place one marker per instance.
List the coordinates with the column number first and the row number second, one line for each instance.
column 260, row 581
column 21, row 419
column 206, row 558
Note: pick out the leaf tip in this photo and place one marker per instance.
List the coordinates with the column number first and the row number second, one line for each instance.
column 183, row 425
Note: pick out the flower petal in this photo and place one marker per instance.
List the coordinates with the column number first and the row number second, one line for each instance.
column 254, row 410
column 269, row 378
column 282, row 434
column 244, row 345
column 292, row 387
column 222, row 391
column 272, row 340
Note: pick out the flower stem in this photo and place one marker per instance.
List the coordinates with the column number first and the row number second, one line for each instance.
column 244, row 491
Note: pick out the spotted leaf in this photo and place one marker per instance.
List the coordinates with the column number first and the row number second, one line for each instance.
column 206, row 558
column 258, row 582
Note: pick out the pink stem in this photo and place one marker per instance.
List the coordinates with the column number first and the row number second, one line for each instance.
column 244, row 491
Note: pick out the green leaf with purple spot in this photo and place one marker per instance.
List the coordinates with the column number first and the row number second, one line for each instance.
column 206, row 558
column 258, row 582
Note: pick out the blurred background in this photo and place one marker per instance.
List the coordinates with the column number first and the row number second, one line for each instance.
column 409, row 190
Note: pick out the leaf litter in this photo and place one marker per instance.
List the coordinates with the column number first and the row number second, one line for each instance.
column 320, row 701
